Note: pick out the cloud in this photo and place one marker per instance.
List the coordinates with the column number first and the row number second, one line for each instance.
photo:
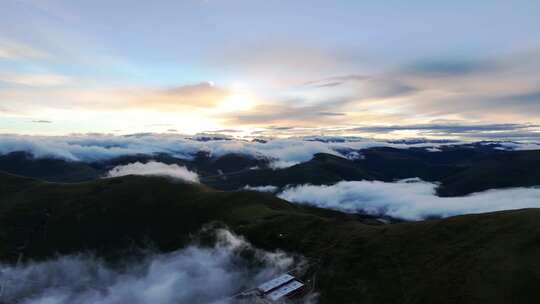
column 294, row 113
column 94, row 148
column 408, row 199
column 451, row 67
column 520, row 102
column 495, row 90
column 194, row 274
column 155, row 168
column 12, row 50
column 450, row 88
column 529, row 99
column 37, row 93
column 328, row 84
column 387, row 88
column 279, row 152
column 224, row 131
column 159, row 125
column 533, row 96
column 331, row 114
column 330, row 102
column 279, row 63
column 270, row 189
column 279, row 128
column 448, row 128
column 366, row 87
column 336, row 80
column 35, row 80
column 347, row 72
column 200, row 95
column 500, row 88
column 516, row 146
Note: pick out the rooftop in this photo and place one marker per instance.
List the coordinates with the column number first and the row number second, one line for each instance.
column 274, row 283
column 284, row 290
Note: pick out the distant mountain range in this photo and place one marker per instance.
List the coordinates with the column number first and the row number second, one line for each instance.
column 460, row 169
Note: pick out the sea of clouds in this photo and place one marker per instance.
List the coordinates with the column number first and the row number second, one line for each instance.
column 281, row 152
column 191, row 275
column 410, row 199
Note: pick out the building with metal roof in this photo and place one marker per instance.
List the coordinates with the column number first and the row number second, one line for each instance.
column 275, row 283
column 285, row 290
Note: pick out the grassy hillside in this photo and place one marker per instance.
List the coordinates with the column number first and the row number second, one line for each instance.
column 322, row 169
column 488, row 258
column 516, row 169
column 50, row 169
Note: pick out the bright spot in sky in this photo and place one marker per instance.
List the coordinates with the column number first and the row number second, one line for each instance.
column 239, row 100
column 236, row 102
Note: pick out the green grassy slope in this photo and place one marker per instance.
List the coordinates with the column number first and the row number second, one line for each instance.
column 322, row 169
column 49, row 169
column 516, row 169
column 488, row 258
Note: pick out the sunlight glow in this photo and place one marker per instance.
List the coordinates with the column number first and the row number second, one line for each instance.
column 240, row 99
column 236, row 102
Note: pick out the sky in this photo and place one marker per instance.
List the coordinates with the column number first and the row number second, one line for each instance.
column 280, row 68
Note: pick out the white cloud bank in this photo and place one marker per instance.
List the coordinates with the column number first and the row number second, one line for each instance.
column 89, row 148
column 155, row 168
column 281, row 152
column 410, row 199
column 191, row 275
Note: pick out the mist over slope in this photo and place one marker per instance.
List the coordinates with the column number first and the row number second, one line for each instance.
column 154, row 168
column 194, row 274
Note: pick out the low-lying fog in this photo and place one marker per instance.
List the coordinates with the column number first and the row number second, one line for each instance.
column 195, row 274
